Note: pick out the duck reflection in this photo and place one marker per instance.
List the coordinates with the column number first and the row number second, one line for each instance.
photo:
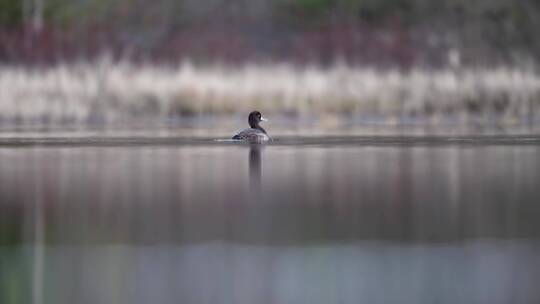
column 255, row 167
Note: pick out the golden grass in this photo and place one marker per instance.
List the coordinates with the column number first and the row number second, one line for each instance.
column 106, row 91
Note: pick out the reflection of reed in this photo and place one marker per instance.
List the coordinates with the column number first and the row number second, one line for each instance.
column 198, row 194
column 39, row 242
column 255, row 167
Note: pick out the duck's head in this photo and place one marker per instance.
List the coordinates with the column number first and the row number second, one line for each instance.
column 254, row 118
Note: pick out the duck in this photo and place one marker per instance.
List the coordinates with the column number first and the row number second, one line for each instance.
column 255, row 133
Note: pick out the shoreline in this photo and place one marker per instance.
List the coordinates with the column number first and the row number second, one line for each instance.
column 106, row 92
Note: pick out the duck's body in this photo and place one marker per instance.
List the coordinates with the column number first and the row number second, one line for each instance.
column 256, row 133
column 251, row 134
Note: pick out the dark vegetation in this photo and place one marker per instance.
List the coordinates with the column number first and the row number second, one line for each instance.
column 375, row 32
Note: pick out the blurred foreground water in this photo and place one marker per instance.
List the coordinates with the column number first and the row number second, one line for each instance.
column 300, row 220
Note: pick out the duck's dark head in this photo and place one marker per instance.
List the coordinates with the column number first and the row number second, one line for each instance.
column 254, row 118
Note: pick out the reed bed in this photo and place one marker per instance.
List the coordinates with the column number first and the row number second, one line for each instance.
column 105, row 91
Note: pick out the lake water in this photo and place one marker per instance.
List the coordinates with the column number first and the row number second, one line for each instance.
column 299, row 220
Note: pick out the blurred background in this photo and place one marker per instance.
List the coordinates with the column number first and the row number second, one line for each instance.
column 328, row 64
column 404, row 166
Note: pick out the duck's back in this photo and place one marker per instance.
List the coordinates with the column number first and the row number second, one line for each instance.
column 252, row 135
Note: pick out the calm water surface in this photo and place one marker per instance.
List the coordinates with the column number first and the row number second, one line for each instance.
column 300, row 220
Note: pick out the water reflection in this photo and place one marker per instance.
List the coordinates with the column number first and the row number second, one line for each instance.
column 333, row 224
column 255, row 167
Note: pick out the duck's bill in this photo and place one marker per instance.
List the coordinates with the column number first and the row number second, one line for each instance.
column 264, row 119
